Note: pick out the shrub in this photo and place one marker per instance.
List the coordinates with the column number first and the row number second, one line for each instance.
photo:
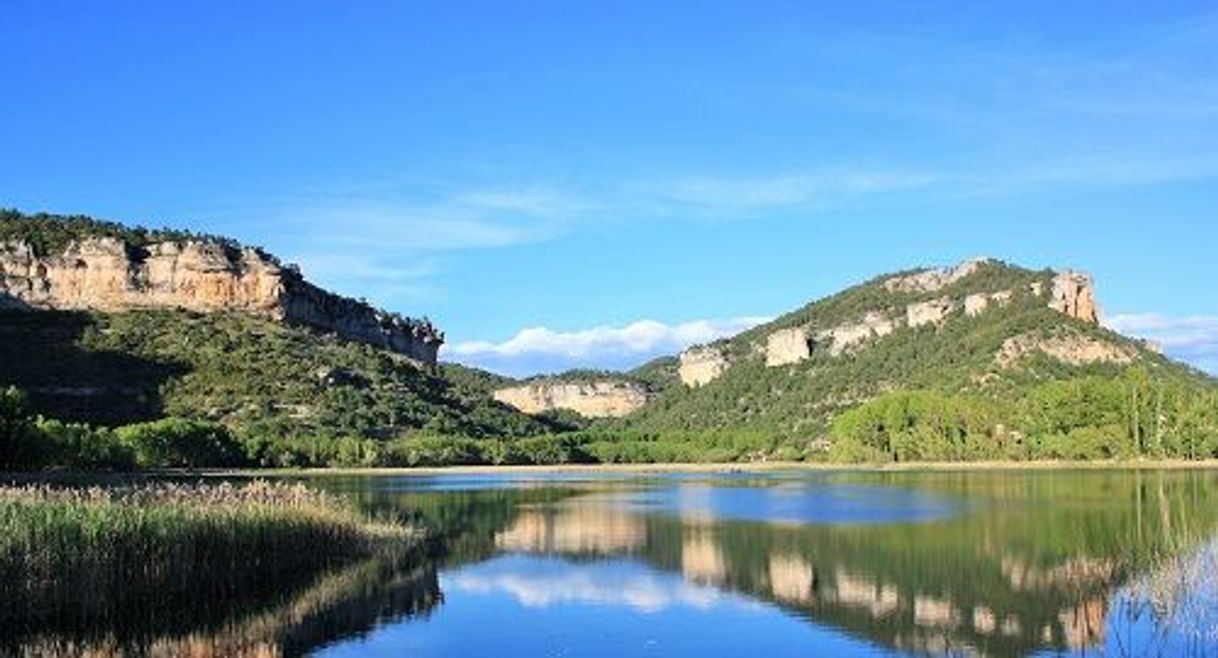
column 76, row 445
column 20, row 447
column 179, row 442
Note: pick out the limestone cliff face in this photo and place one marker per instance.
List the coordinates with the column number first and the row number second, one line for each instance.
column 934, row 280
column 976, row 304
column 598, row 399
column 934, row 311
column 1070, row 293
column 1073, row 294
column 701, row 365
column 842, row 338
column 106, row 274
column 1067, row 347
column 787, row 346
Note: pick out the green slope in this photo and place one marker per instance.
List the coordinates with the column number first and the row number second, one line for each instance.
column 801, row 400
column 251, row 374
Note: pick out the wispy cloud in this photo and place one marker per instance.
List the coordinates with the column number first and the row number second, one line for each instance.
column 476, row 219
column 1192, row 339
column 539, row 349
column 592, row 584
column 721, row 194
column 392, row 245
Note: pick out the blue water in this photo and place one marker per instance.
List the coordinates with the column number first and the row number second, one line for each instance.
column 797, row 563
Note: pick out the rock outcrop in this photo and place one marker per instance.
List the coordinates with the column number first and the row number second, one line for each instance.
column 934, row 280
column 593, row 399
column 934, row 311
column 787, row 346
column 106, row 274
column 839, row 339
column 1072, row 348
column 976, row 304
column 1073, row 294
column 701, row 365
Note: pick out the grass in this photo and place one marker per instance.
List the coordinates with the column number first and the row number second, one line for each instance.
column 73, row 557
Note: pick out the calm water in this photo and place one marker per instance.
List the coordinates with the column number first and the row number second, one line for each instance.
column 774, row 564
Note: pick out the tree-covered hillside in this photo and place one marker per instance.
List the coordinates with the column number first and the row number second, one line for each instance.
column 962, row 354
column 48, row 233
column 253, row 375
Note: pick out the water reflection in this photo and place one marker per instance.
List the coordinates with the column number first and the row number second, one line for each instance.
column 337, row 605
column 1001, row 564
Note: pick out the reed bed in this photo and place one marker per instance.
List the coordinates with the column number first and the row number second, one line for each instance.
column 1181, row 593
column 157, row 556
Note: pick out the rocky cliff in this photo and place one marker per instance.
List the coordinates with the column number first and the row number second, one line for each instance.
column 591, row 399
column 701, row 365
column 919, row 299
column 109, row 274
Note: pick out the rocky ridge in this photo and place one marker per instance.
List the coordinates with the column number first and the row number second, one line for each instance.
column 107, row 274
column 591, row 399
column 1070, row 293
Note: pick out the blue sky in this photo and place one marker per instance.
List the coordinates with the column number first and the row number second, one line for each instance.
column 561, row 184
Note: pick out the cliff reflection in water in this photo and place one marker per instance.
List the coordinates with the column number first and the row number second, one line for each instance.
column 335, row 606
column 1000, row 564
column 1033, row 563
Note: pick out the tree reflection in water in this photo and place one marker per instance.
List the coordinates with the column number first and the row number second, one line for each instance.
column 1025, row 562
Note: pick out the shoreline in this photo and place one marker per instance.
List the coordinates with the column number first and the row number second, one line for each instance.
column 731, row 467
column 70, row 476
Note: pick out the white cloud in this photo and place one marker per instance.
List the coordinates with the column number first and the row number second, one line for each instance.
column 801, row 188
column 539, row 349
column 645, row 593
column 1192, row 339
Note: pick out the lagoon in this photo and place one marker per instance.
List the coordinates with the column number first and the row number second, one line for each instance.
column 774, row 563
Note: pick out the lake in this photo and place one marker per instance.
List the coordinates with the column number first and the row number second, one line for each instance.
column 999, row 563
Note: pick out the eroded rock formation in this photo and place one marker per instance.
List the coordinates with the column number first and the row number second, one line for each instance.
column 839, row 339
column 976, row 304
column 598, row 399
column 701, row 365
column 1071, row 348
column 1073, row 294
column 934, row 311
column 106, row 274
column 934, row 280
column 787, row 346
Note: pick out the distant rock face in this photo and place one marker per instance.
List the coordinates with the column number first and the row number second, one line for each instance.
column 105, row 274
column 1073, row 294
column 839, row 339
column 701, row 365
column 1072, row 348
column 787, row 346
column 976, row 304
column 600, row 399
column 934, row 311
column 934, row 280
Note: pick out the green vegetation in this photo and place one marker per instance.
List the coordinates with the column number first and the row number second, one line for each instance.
column 1082, row 419
column 49, row 234
column 177, row 389
column 255, row 376
column 799, row 403
column 82, row 552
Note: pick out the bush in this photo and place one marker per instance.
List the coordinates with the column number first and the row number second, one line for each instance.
column 20, row 447
column 179, row 442
column 75, row 445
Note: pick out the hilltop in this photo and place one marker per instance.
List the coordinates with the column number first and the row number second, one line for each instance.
column 50, row 262
column 110, row 325
column 982, row 357
column 971, row 345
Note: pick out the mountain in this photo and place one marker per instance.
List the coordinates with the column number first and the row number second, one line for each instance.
column 50, row 262
column 983, row 329
column 111, row 324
